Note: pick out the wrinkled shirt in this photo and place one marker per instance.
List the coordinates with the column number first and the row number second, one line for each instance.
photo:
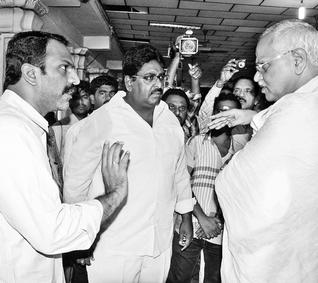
column 269, row 196
column 158, row 179
column 35, row 228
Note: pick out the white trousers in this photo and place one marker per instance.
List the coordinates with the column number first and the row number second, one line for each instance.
column 130, row 269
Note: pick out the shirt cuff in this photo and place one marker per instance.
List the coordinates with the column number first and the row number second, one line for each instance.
column 91, row 217
column 184, row 206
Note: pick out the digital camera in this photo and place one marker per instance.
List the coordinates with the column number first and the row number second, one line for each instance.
column 187, row 44
column 241, row 63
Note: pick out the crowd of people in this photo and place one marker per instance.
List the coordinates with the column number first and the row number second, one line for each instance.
column 154, row 183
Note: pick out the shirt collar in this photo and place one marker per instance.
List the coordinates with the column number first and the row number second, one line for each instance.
column 24, row 108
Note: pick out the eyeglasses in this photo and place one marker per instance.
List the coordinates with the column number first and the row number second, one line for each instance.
column 263, row 67
column 238, row 91
column 174, row 108
column 151, row 78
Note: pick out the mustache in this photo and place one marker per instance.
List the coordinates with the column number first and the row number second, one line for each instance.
column 69, row 89
column 158, row 89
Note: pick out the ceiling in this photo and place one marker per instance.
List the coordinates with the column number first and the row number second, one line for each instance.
column 231, row 27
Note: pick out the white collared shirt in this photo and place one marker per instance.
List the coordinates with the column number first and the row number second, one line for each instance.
column 269, row 196
column 158, row 179
column 35, row 228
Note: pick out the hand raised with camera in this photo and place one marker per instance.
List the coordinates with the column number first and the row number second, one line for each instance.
column 228, row 71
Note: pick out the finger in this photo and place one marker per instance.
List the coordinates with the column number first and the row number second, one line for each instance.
column 115, row 147
column 124, row 162
column 117, row 152
column 105, row 153
column 87, row 261
column 187, row 242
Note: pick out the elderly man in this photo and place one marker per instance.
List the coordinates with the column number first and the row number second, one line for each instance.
column 268, row 192
column 137, row 245
column 35, row 228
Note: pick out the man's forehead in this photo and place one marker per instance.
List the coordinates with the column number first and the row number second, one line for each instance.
column 265, row 47
column 57, row 48
column 152, row 65
column 106, row 87
column 176, row 99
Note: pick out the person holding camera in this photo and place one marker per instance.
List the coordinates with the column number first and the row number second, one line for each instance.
column 244, row 89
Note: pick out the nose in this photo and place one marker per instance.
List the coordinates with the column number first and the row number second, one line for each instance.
column 73, row 77
column 257, row 76
column 159, row 83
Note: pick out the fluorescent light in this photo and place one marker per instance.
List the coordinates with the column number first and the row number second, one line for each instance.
column 134, row 40
column 301, row 11
column 173, row 26
column 125, row 9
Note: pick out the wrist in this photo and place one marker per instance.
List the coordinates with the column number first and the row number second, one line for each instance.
column 219, row 83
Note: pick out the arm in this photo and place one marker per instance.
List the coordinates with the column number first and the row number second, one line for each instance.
column 172, row 70
column 231, row 118
column 207, row 106
column 184, row 203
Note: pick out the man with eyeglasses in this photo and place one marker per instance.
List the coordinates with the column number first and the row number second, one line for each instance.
column 136, row 247
column 268, row 192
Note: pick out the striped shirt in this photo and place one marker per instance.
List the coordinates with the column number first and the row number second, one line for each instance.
column 205, row 159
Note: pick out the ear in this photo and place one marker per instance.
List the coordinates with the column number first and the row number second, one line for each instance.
column 128, row 83
column 300, row 60
column 30, row 73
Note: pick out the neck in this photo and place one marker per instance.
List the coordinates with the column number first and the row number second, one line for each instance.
column 143, row 112
column 29, row 96
column 80, row 116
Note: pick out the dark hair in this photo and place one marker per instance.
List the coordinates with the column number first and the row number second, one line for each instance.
column 255, row 85
column 230, row 97
column 76, row 92
column 176, row 91
column 27, row 47
column 76, row 89
column 103, row 80
column 136, row 57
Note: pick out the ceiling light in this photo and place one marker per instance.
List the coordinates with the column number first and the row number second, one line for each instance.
column 135, row 40
column 125, row 9
column 301, row 11
column 174, row 26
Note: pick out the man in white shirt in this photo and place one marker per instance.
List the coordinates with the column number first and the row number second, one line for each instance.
column 268, row 192
column 136, row 247
column 35, row 227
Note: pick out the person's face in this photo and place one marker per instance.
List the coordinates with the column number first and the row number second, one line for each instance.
column 59, row 76
column 178, row 105
column 81, row 105
column 103, row 94
column 245, row 93
column 275, row 77
column 145, row 88
column 222, row 106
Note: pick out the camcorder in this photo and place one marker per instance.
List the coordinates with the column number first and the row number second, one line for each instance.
column 187, row 44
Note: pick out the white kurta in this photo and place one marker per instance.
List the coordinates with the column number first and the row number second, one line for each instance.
column 158, row 178
column 35, row 228
column 269, row 196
